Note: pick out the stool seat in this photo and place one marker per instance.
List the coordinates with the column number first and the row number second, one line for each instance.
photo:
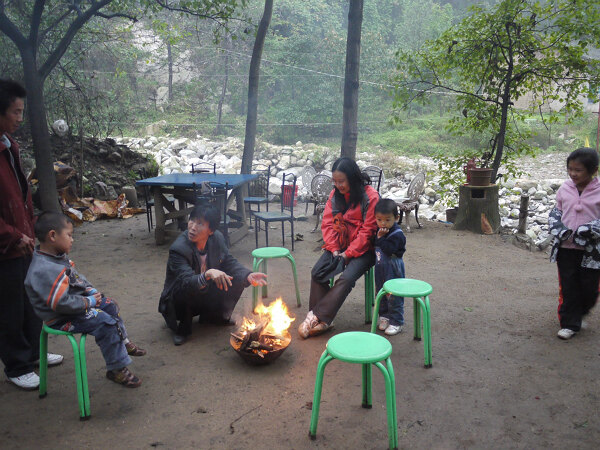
column 359, row 347
column 407, row 287
column 270, row 252
column 419, row 291
column 368, row 350
column 260, row 256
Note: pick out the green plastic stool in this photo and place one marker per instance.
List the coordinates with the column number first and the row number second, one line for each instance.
column 359, row 347
column 369, row 293
column 83, row 394
column 261, row 255
column 419, row 291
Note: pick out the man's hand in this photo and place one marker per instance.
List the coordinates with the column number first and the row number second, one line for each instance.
column 382, row 232
column 221, row 279
column 25, row 245
column 257, row 279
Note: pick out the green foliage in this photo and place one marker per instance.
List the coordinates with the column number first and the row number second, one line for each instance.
column 535, row 50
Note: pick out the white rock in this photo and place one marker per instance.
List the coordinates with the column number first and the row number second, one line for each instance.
column 525, row 184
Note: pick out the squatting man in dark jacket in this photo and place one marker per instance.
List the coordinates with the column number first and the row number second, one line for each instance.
column 202, row 277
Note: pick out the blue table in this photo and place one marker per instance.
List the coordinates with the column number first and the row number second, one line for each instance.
column 182, row 187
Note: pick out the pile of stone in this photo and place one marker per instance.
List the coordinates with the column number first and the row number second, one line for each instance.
column 178, row 155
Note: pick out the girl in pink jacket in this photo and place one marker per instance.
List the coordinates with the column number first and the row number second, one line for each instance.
column 575, row 225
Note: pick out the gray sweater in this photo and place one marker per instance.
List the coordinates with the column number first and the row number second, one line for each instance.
column 55, row 288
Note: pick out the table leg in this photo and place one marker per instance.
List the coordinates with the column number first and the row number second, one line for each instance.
column 159, row 215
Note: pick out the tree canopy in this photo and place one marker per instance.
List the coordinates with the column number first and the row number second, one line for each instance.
column 43, row 30
column 514, row 50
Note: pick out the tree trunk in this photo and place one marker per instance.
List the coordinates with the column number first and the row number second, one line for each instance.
column 349, row 121
column 170, row 63
column 223, row 88
column 36, row 113
column 478, row 205
column 253, row 77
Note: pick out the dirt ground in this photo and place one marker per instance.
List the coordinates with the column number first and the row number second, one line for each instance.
column 500, row 376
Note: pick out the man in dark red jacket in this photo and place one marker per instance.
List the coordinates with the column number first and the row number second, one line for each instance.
column 19, row 326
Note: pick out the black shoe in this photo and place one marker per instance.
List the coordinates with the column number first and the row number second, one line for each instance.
column 179, row 339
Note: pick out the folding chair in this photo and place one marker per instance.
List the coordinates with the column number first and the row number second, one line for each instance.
column 288, row 198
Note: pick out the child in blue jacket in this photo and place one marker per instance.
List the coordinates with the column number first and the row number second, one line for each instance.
column 390, row 245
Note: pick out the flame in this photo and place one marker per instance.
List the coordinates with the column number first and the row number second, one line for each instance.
column 275, row 315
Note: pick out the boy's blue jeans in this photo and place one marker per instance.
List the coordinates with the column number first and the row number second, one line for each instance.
column 388, row 268
column 102, row 322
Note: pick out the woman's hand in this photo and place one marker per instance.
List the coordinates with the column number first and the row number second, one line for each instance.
column 25, row 245
column 343, row 255
column 221, row 279
column 257, row 279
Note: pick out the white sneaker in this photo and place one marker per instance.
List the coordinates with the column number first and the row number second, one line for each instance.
column 29, row 381
column 392, row 330
column 383, row 323
column 565, row 333
column 53, row 359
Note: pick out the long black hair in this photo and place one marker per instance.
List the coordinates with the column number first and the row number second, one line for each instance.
column 356, row 179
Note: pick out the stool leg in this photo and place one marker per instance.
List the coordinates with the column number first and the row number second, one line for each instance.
column 265, row 293
column 390, row 396
column 369, row 294
column 367, row 400
column 255, row 266
column 380, row 295
column 422, row 308
column 43, row 363
column 84, row 380
column 76, row 358
column 293, row 263
column 417, row 319
column 428, row 335
column 314, row 416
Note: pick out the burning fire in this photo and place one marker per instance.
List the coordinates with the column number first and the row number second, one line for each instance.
column 266, row 331
column 277, row 315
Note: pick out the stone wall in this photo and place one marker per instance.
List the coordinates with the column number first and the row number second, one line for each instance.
column 178, row 155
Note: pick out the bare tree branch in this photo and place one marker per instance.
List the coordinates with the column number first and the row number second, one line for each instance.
column 75, row 26
column 10, row 30
column 36, row 18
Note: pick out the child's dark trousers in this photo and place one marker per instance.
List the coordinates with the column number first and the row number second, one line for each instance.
column 388, row 268
column 578, row 288
column 102, row 322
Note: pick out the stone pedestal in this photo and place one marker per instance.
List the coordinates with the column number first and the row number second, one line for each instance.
column 478, row 209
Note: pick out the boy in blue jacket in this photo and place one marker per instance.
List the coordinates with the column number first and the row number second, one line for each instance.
column 65, row 300
column 390, row 245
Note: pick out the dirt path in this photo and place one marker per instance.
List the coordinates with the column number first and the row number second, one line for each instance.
column 500, row 377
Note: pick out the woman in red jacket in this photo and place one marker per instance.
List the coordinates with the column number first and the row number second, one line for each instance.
column 348, row 228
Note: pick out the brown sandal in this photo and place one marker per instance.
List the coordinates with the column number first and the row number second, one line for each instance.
column 125, row 377
column 134, row 350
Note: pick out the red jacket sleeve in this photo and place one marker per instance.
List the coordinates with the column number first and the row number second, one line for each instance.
column 364, row 238
column 330, row 236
